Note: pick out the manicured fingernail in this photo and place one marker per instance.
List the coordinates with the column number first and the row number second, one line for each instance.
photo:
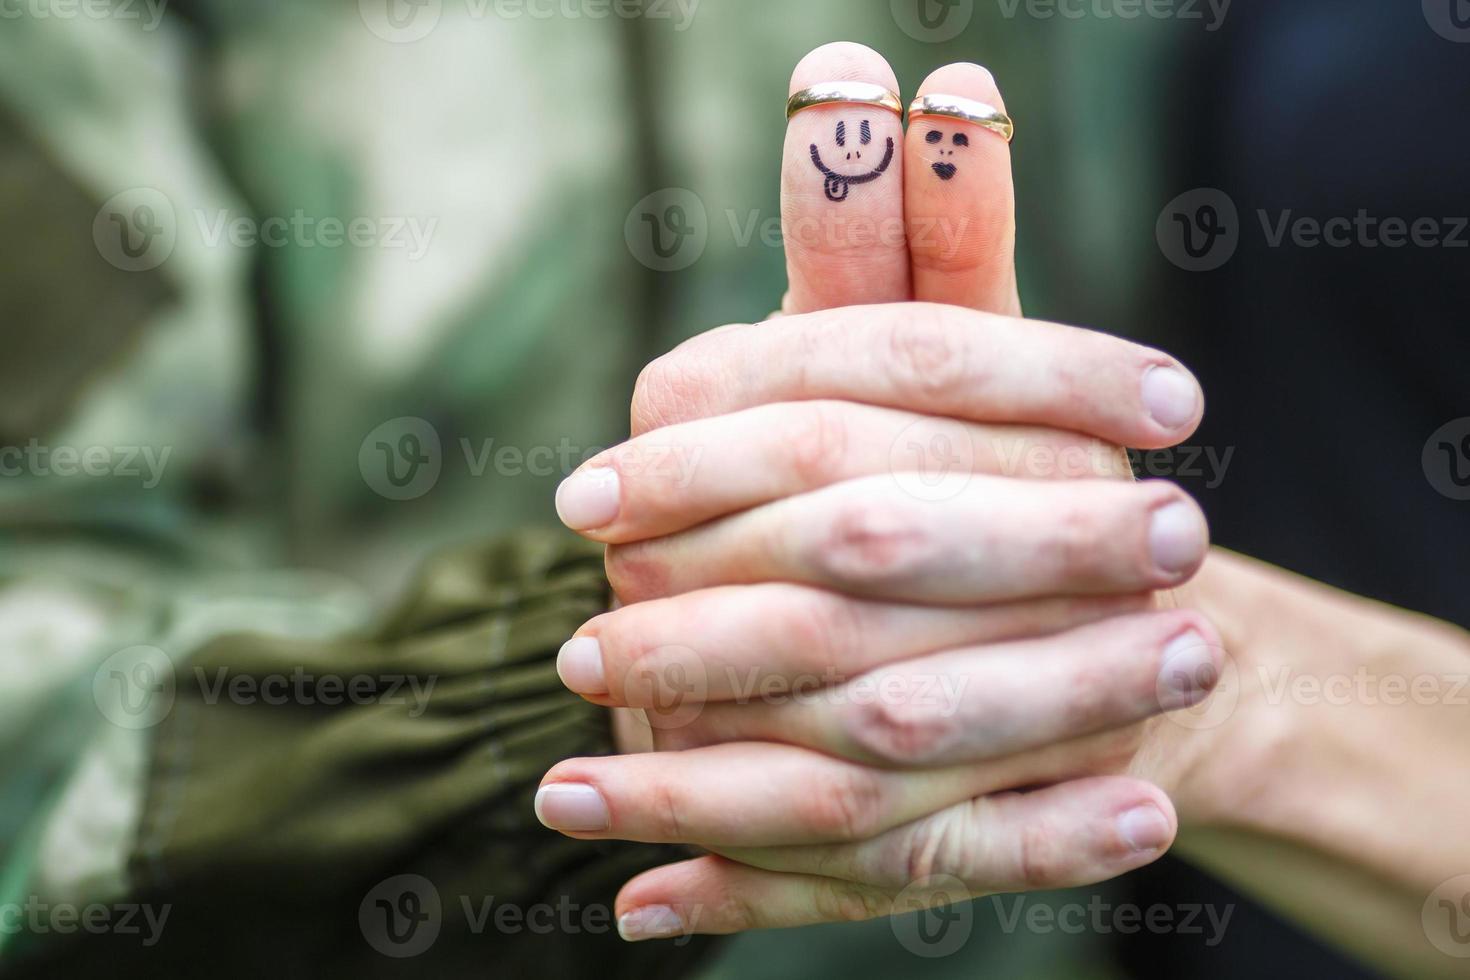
column 1187, row 672
column 572, row 806
column 1170, row 396
column 1145, row 828
column 1177, row 538
column 579, row 665
column 650, row 922
column 589, row 499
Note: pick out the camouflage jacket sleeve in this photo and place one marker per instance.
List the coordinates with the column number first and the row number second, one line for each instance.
column 337, row 805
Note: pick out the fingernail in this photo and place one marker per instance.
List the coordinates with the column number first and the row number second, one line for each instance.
column 1187, row 672
column 579, row 665
column 1177, row 538
column 1145, row 828
column 1170, row 396
column 589, row 499
column 572, row 806
column 650, row 922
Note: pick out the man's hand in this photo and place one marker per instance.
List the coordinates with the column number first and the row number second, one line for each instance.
column 833, row 501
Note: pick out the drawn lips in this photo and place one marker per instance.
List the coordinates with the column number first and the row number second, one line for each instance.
column 945, row 171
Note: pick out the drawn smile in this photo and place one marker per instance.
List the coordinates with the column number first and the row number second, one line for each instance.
column 837, row 185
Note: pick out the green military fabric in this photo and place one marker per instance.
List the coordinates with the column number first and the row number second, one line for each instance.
column 281, row 834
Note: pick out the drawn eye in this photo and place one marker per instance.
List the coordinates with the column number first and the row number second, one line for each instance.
column 842, row 134
column 960, row 139
column 867, row 134
column 934, row 136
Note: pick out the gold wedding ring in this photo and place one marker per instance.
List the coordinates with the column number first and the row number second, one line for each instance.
column 955, row 107
column 848, row 93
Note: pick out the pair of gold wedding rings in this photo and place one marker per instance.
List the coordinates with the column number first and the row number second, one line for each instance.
column 865, row 93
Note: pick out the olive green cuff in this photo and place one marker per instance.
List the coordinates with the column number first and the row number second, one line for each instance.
column 343, row 806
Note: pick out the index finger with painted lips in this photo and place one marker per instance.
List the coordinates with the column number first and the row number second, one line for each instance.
column 960, row 200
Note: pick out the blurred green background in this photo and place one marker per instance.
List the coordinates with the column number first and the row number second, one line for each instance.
column 146, row 153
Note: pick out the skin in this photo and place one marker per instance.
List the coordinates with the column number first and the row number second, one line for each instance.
column 797, row 557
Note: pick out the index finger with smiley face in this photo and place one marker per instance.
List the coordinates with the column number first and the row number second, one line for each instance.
column 842, row 190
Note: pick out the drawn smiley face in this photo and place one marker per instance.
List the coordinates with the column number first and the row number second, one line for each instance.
column 946, row 169
column 849, row 151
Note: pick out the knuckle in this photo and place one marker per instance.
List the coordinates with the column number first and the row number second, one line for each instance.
column 825, row 628
column 1091, row 697
column 844, row 901
column 818, row 444
column 669, row 389
column 1077, row 539
column 735, row 911
column 664, row 811
column 927, row 354
column 1113, row 753
column 900, row 732
column 845, row 806
column 873, row 542
column 941, row 845
column 1041, row 861
column 634, row 573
